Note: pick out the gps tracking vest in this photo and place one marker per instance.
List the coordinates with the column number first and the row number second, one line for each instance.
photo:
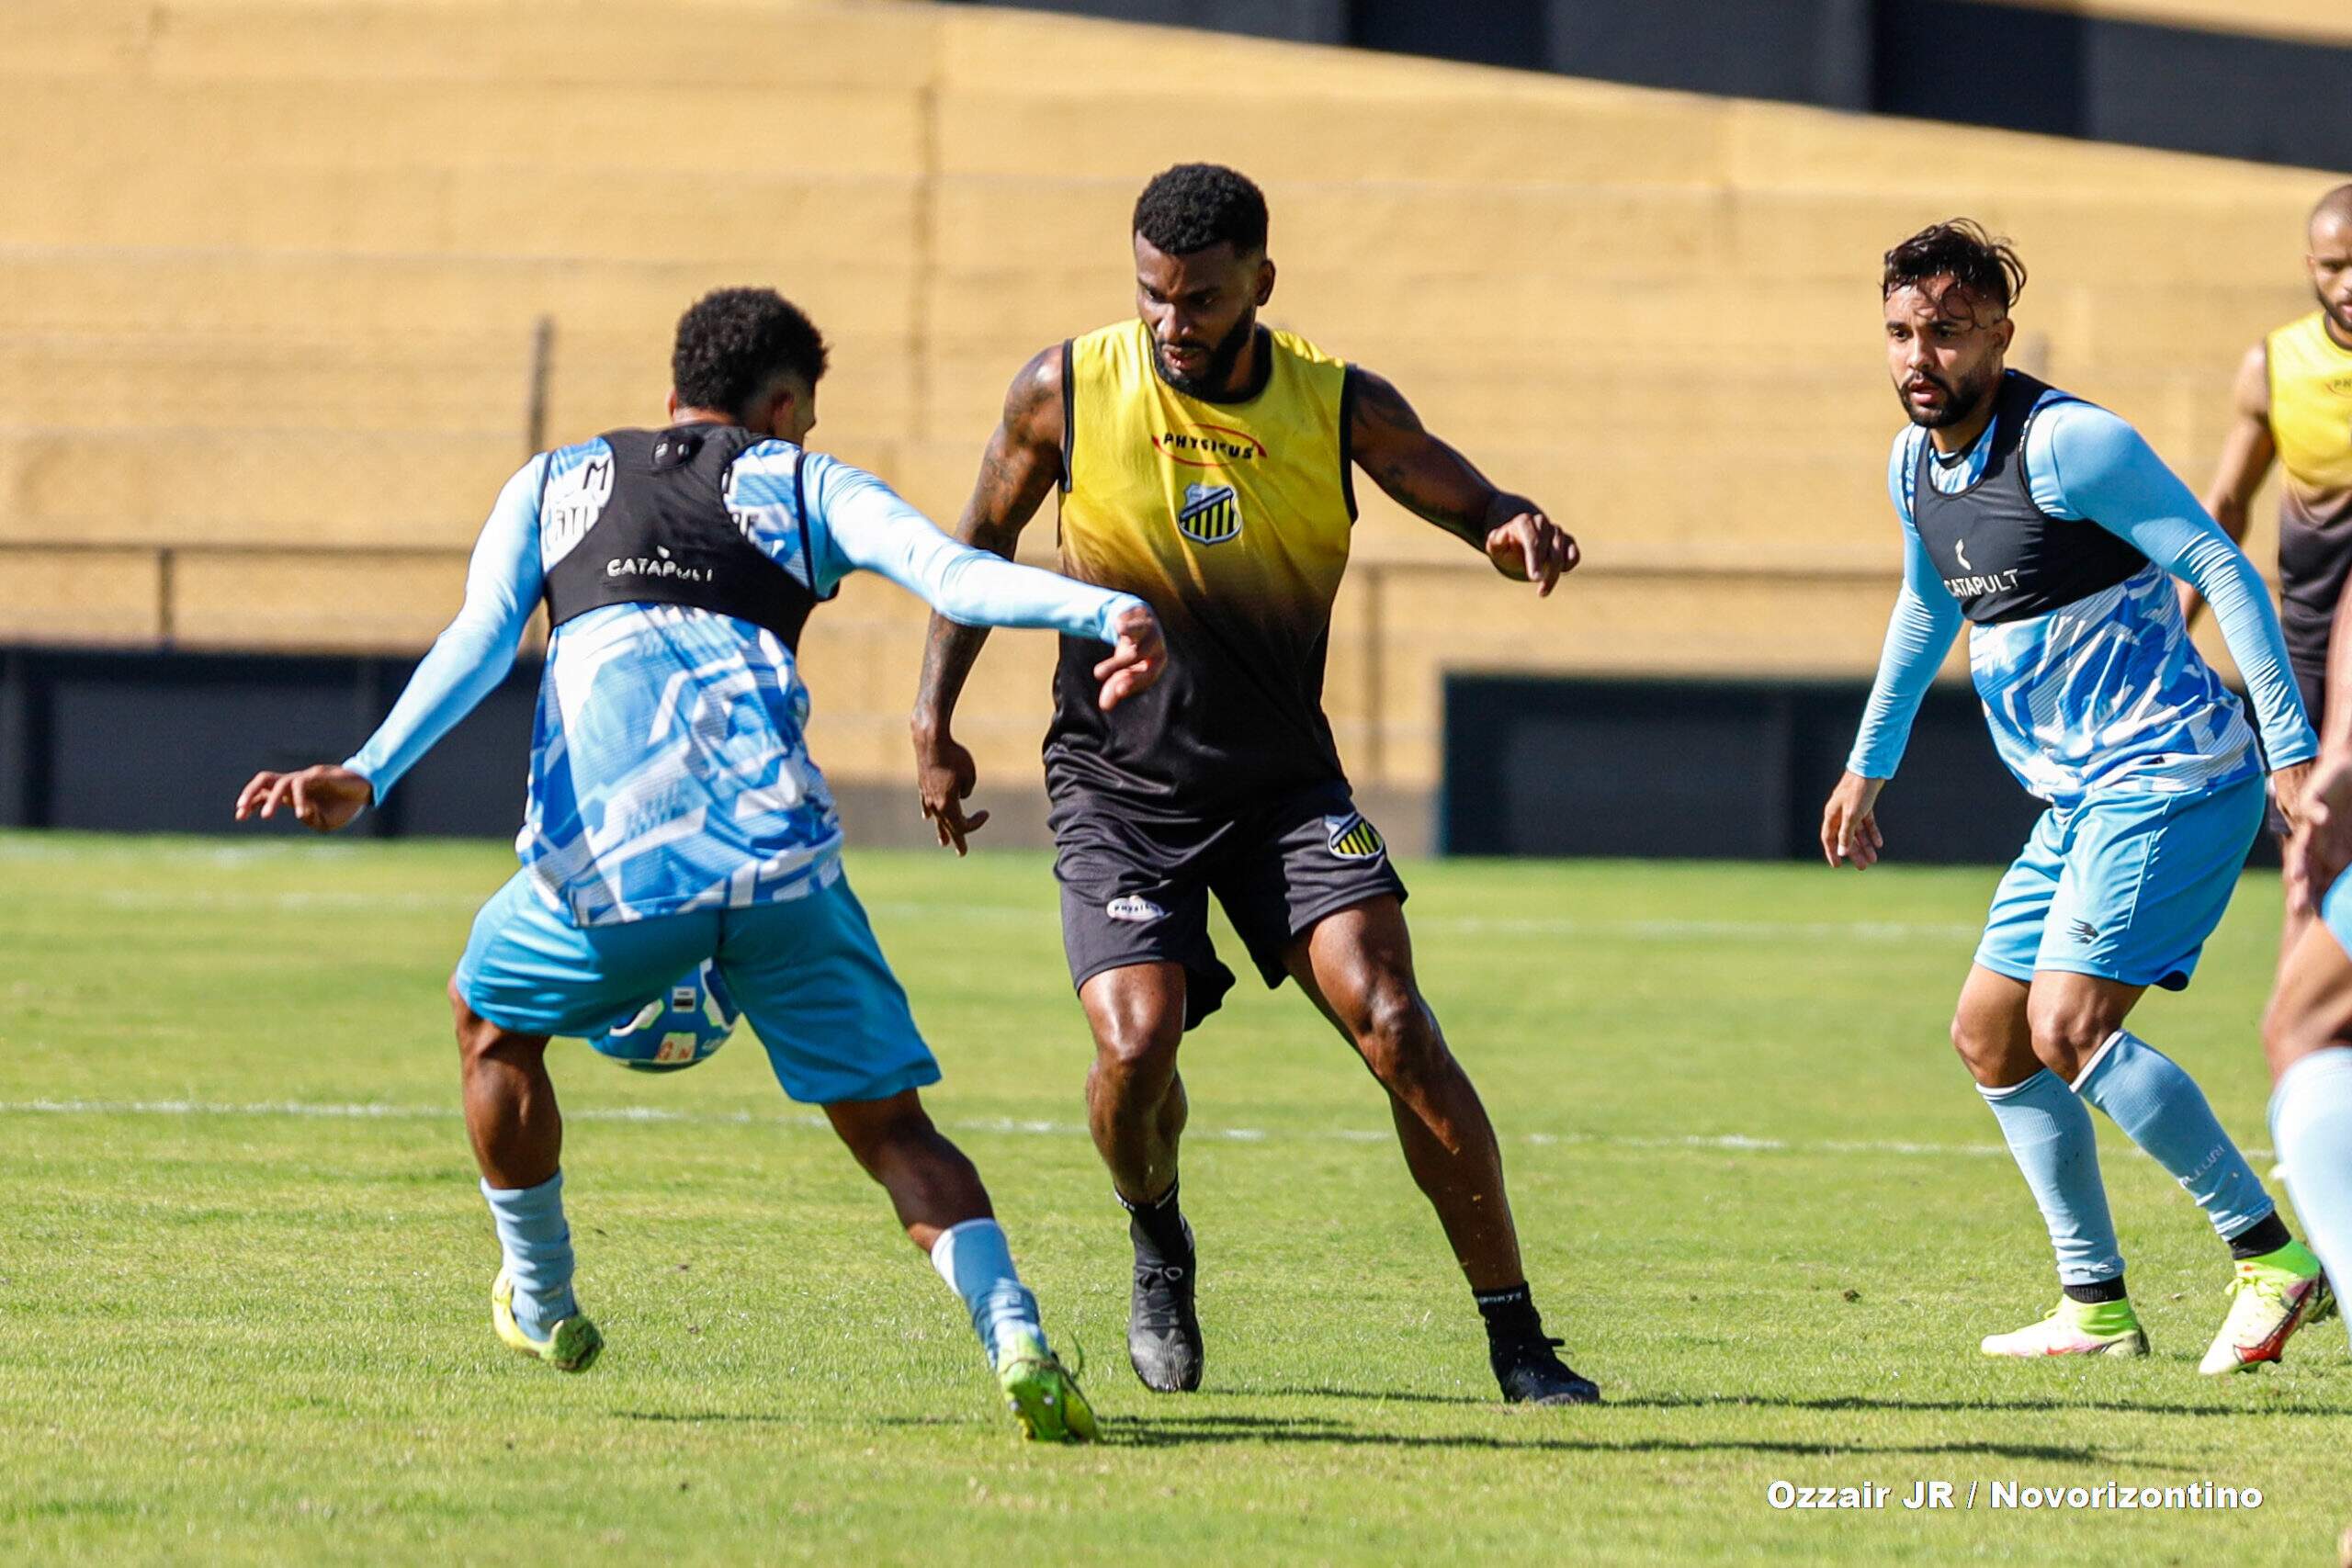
column 2000, row 554
column 666, row 535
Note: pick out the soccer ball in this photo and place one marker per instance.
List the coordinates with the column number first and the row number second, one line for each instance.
column 683, row 1025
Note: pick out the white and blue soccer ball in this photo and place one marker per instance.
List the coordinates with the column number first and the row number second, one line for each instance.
column 683, row 1025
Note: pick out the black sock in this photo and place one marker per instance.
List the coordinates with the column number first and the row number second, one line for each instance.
column 1157, row 1226
column 1511, row 1314
column 2099, row 1290
column 2267, row 1234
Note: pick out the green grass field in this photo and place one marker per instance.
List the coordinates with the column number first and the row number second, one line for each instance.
column 244, row 1269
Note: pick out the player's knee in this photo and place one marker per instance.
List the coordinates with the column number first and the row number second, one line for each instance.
column 479, row 1040
column 1140, row 1045
column 474, row 1032
column 1981, row 1043
column 1400, row 1040
column 888, row 1132
column 2291, row 1031
column 2067, row 1032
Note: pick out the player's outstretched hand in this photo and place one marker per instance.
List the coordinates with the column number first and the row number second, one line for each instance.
column 323, row 798
column 2322, row 845
column 2287, row 786
column 1137, row 660
column 1530, row 547
column 1849, row 823
column 945, row 776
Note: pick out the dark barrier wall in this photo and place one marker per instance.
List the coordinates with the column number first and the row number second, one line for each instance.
column 1970, row 60
column 1669, row 769
column 147, row 742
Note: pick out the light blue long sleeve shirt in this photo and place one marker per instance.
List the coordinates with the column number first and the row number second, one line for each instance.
column 2107, row 692
column 669, row 767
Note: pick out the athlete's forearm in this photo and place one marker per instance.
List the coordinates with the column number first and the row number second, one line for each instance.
column 2221, row 573
column 872, row 528
column 1919, row 634
column 952, row 648
column 1415, row 468
column 478, row 648
column 1021, row 463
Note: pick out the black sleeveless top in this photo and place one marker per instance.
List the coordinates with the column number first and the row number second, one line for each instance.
column 1999, row 554
column 666, row 535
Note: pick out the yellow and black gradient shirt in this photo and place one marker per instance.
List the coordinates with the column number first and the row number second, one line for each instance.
column 2310, row 422
column 1233, row 520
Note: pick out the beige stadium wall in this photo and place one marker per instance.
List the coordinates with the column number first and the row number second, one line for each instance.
column 270, row 272
column 2320, row 21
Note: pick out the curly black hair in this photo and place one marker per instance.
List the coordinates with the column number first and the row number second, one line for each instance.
column 733, row 342
column 1962, row 251
column 1194, row 206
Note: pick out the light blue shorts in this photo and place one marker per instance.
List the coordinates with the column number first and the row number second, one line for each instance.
column 2125, row 887
column 2335, row 910
column 807, row 974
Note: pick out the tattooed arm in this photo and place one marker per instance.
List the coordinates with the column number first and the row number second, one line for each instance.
column 1024, row 461
column 1430, row 480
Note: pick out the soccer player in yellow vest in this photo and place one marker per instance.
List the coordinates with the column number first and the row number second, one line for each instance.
column 1204, row 462
column 2294, row 405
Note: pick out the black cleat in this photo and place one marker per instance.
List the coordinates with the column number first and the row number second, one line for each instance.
column 1530, row 1374
column 1163, row 1333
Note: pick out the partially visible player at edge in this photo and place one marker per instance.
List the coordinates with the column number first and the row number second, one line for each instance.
column 2308, row 1032
column 1204, row 461
column 2049, row 527
column 674, row 814
column 2293, row 405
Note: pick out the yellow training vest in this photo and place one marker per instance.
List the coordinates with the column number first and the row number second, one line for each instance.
column 2310, row 422
column 1233, row 520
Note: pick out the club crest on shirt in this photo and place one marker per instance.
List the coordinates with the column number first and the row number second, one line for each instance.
column 569, row 507
column 1352, row 837
column 1211, row 515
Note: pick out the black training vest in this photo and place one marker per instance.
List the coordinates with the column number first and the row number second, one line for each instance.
column 1999, row 554
column 666, row 535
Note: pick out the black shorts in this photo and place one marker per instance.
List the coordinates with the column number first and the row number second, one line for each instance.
column 1136, row 891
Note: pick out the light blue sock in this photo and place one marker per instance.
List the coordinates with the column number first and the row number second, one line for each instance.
column 2161, row 1109
column 977, row 1263
column 2311, row 1123
column 536, row 1245
column 2050, row 1136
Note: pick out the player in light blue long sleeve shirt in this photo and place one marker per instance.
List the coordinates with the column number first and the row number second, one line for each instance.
column 2049, row 528
column 676, row 824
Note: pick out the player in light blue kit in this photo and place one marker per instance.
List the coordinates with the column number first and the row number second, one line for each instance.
column 2047, row 526
column 674, row 814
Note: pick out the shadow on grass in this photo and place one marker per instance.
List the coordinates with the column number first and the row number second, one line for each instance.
column 1170, row 1432
column 1828, row 1403
column 1852, row 1402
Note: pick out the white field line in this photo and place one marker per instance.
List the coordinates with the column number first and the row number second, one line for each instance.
column 1734, row 1143
column 1451, row 925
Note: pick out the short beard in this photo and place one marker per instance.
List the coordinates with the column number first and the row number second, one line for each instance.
column 2343, row 319
column 1960, row 400
column 1212, row 379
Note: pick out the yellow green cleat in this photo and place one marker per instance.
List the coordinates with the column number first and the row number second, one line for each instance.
column 2075, row 1328
column 1042, row 1395
column 2270, row 1297
column 571, row 1346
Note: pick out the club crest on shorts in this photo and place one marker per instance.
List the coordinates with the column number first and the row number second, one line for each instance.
column 1134, row 911
column 1352, row 838
column 1211, row 515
